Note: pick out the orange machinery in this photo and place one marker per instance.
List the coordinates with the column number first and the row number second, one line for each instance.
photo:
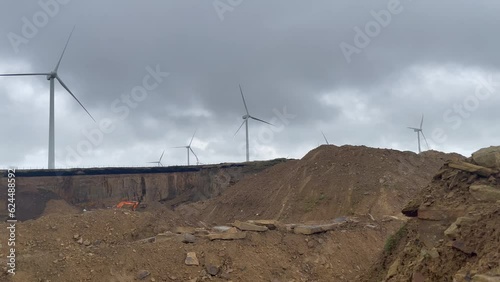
column 134, row 204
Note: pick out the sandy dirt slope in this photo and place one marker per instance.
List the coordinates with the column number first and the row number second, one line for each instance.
column 328, row 182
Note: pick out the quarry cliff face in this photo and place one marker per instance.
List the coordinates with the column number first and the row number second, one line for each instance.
column 103, row 188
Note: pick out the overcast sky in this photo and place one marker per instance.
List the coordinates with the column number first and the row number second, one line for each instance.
column 361, row 73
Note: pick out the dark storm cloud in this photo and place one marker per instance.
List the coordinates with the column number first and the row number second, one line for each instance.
column 285, row 54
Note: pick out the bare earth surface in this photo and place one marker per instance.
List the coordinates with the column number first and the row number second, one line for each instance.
column 350, row 197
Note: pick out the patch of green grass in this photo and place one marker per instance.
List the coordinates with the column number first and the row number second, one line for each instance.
column 394, row 239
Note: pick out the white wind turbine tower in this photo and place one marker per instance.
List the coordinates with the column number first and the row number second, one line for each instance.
column 326, row 140
column 159, row 161
column 50, row 77
column 188, row 148
column 245, row 121
column 420, row 131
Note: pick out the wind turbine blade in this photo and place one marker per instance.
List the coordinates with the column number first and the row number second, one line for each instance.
column 194, row 154
column 67, row 89
column 244, row 102
column 64, row 50
column 240, row 127
column 23, row 74
column 422, row 122
column 161, row 155
column 192, row 138
column 151, row 162
column 325, row 138
column 425, row 139
column 179, row 147
column 261, row 120
column 414, row 128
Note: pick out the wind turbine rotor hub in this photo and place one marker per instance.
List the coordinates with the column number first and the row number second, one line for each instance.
column 52, row 75
column 245, row 117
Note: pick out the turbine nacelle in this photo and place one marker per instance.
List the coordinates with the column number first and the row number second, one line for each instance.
column 51, row 75
column 245, row 116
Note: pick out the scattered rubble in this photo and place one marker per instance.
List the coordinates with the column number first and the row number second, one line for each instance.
column 454, row 234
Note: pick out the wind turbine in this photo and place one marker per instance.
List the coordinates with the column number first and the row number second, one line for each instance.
column 420, row 131
column 188, row 148
column 159, row 161
column 50, row 77
column 326, row 140
column 245, row 121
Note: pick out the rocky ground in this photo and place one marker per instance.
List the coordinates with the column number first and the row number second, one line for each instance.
column 454, row 234
column 325, row 217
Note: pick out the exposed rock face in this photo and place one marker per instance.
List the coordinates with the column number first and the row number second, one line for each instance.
column 101, row 188
column 488, row 157
column 457, row 219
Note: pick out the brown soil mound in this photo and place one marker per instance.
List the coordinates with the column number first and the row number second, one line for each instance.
column 328, row 182
column 456, row 235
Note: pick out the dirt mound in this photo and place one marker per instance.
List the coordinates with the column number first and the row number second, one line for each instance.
column 328, row 182
column 455, row 235
column 363, row 184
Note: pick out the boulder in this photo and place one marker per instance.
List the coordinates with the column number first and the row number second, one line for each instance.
column 452, row 231
column 485, row 193
column 212, row 269
column 191, row 259
column 142, row 274
column 488, row 157
column 188, row 238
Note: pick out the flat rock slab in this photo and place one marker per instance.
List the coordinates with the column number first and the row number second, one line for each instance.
column 221, row 229
column 269, row 223
column 485, row 193
column 227, row 236
column 245, row 226
column 483, row 171
column 313, row 229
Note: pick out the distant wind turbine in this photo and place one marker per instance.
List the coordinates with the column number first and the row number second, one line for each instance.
column 326, row 140
column 188, row 148
column 245, row 121
column 51, row 76
column 159, row 161
column 420, row 131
